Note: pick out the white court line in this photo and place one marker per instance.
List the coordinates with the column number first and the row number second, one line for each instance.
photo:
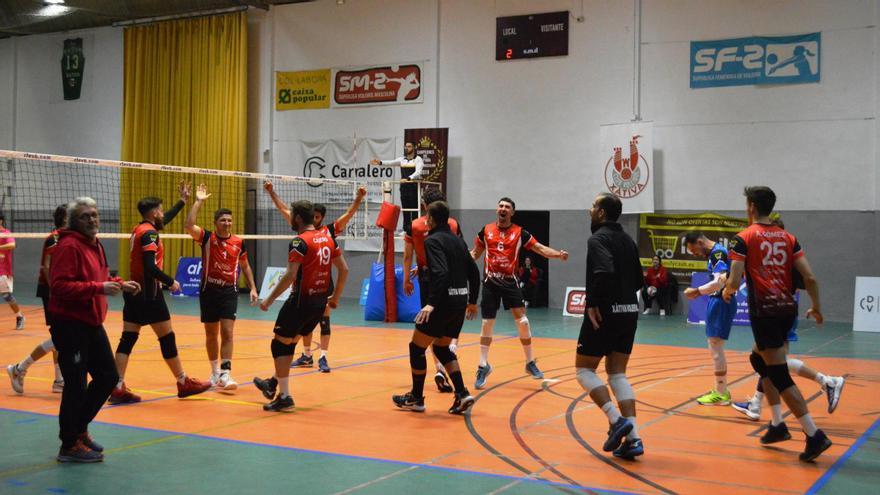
column 394, row 474
column 531, row 476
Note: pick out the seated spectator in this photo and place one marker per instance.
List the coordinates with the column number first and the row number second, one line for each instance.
column 656, row 287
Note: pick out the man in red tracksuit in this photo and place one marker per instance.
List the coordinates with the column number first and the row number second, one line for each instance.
column 80, row 283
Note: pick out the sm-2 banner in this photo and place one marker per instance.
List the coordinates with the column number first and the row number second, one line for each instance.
column 663, row 235
column 627, row 163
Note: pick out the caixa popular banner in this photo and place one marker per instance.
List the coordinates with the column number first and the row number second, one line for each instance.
column 663, row 236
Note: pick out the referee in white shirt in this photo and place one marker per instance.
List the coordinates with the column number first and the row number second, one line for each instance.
column 411, row 166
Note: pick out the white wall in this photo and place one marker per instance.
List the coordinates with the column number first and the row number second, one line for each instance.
column 90, row 126
column 529, row 128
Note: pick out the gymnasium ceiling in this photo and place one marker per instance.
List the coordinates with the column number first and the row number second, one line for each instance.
column 23, row 17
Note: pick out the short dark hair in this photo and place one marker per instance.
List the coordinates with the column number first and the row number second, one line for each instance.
column 60, row 216
column 611, row 204
column 220, row 212
column 319, row 208
column 146, row 205
column 432, row 194
column 508, row 200
column 439, row 212
column 305, row 210
column 762, row 197
column 693, row 236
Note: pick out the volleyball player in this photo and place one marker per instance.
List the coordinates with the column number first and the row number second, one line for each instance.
column 768, row 254
column 614, row 275
column 310, row 256
column 501, row 241
column 18, row 371
column 414, row 242
column 223, row 255
column 333, row 229
column 148, row 307
column 7, row 245
column 719, row 313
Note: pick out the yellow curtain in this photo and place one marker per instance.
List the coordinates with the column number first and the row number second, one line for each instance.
column 185, row 104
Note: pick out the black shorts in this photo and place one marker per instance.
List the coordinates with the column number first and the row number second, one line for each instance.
column 218, row 303
column 444, row 322
column 494, row 294
column 296, row 320
column 616, row 333
column 142, row 311
column 771, row 332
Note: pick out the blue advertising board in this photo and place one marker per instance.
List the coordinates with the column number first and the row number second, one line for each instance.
column 756, row 60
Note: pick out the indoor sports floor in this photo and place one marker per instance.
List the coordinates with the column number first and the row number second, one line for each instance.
column 522, row 436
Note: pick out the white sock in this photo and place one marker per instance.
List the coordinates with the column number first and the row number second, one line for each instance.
column 58, row 376
column 759, row 397
column 777, row 414
column 307, row 350
column 283, row 386
column 19, row 314
column 25, row 363
column 611, row 411
column 323, row 353
column 634, row 434
column 215, row 367
column 808, row 425
column 528, row 350
column 484, row 355
column 181, row 377
column 121, row 382
column 822, row 380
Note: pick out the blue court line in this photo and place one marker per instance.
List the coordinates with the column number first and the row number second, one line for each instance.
column 247, row 443
column 821, row 482
column 312, row 372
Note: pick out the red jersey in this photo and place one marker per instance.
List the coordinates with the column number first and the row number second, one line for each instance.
column 5, row 255
column 48, row 247
column 221, row 258
column 502, row 249
column 769, row 254
column 418, row 232
column 144, row 238
column 332, row 230
column 314, row 250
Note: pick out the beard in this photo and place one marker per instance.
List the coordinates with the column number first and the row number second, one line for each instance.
column 159, row 223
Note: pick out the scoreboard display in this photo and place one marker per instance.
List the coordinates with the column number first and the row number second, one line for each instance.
column 531, row 36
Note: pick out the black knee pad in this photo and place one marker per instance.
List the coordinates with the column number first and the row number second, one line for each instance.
column 444, row 354
column 281, row 349
column 325, row 325
column 168, row 345
column 780, row 377
column 8, row 297
column 417, row 358
column 758, row 364
column 126, row 342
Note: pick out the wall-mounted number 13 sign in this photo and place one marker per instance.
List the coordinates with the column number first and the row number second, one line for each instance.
column 73, row 64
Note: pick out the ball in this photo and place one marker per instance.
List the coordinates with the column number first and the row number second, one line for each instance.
column 652, row 291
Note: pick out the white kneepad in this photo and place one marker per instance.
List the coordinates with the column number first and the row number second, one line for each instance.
column 522, row 324
column 621, row 387
column 794, row 365
column 588, row 379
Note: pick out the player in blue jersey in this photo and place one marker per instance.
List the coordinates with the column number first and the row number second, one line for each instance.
column 719, row 314
column 831, row 385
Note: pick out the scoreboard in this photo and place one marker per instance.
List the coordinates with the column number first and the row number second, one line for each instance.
column 531, row 36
